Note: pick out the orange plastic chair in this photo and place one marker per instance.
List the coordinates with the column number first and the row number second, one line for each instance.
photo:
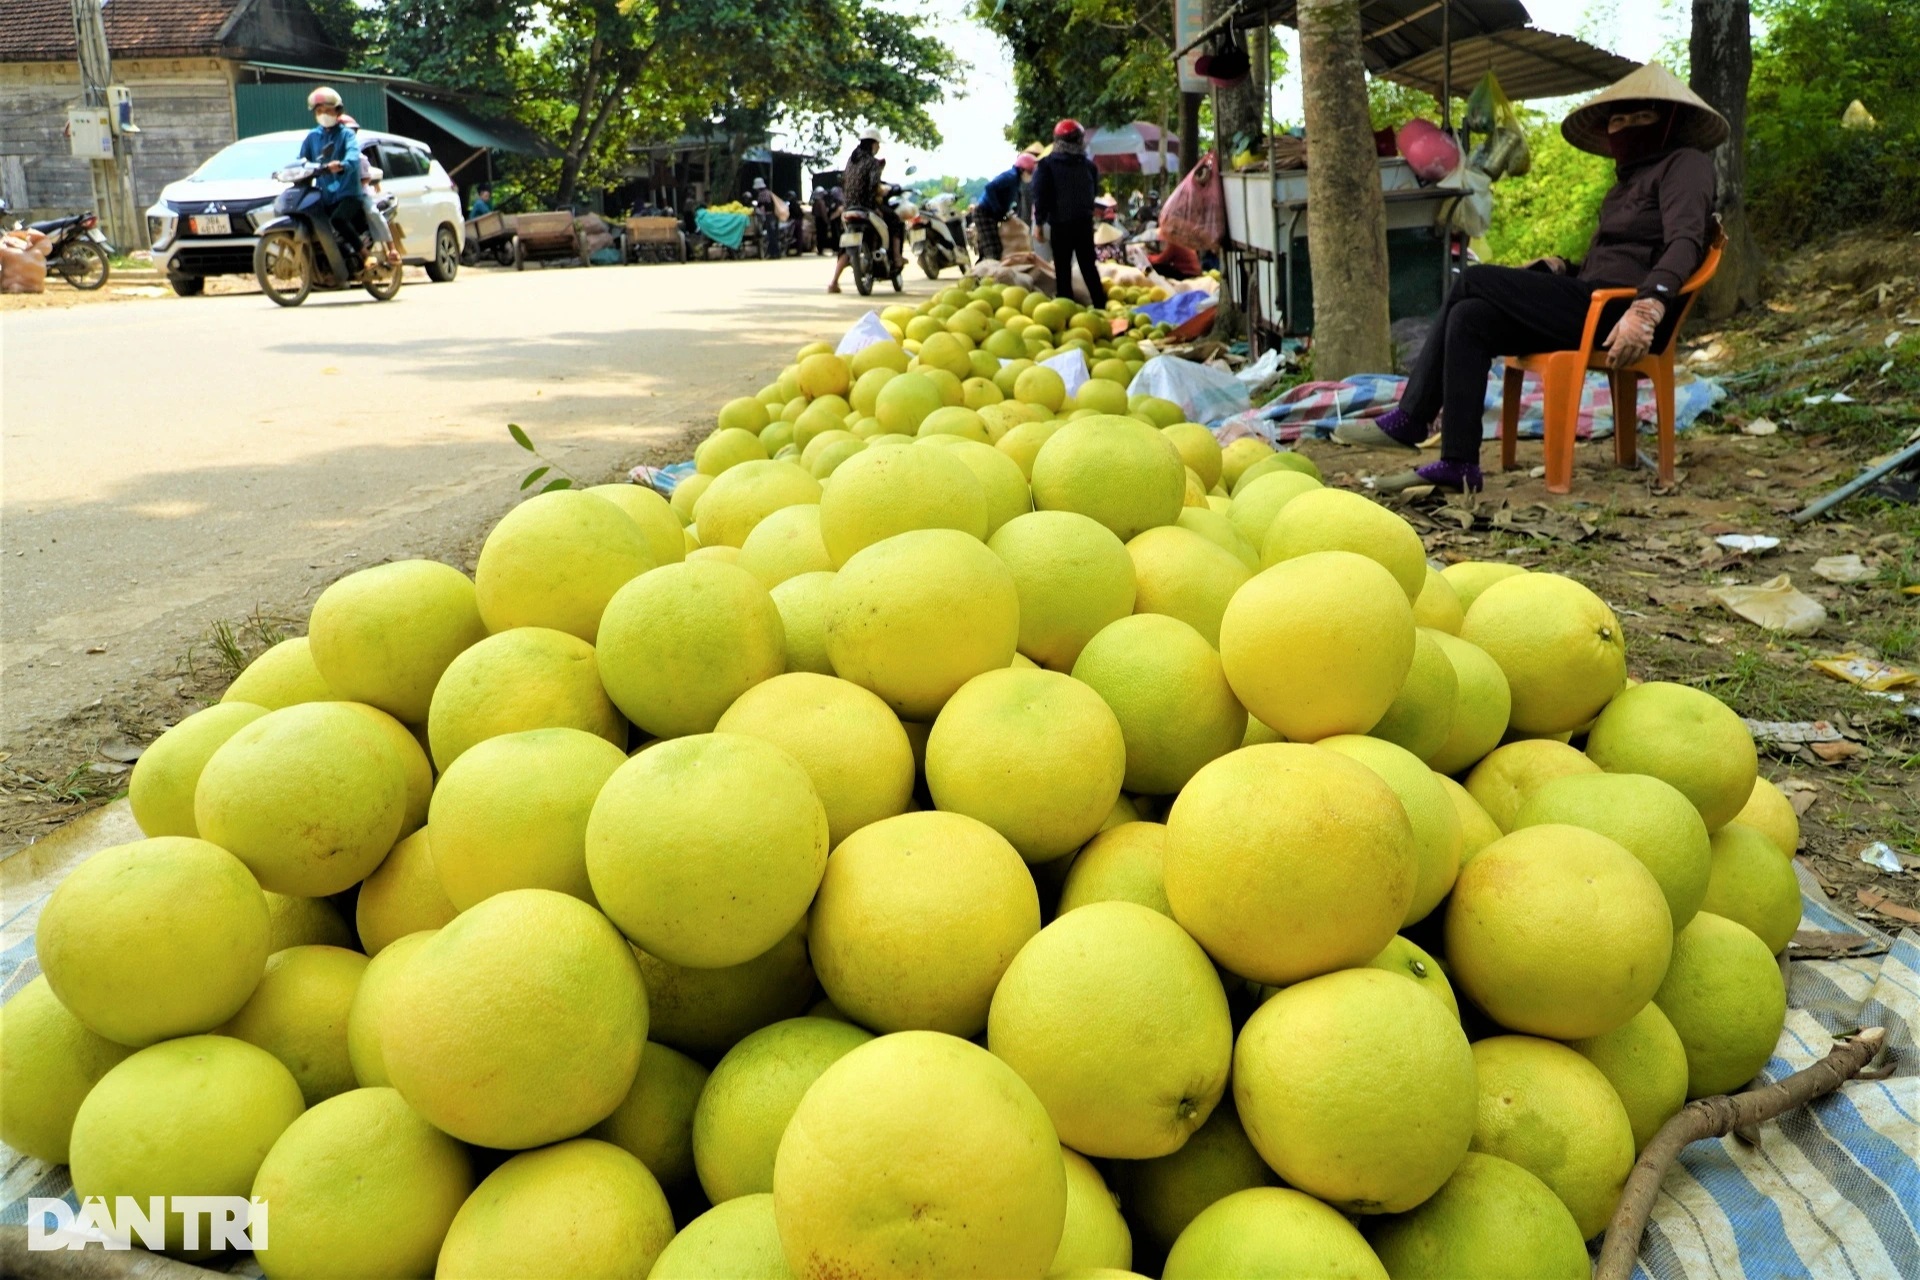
column 1564, row 374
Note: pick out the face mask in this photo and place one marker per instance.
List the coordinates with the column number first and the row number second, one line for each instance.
column 1637, row 140
column 327, row 119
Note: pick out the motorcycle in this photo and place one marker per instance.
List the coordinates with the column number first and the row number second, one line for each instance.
column 306, row 247
column 865, row 239
column 75, row 248
column 938, row 238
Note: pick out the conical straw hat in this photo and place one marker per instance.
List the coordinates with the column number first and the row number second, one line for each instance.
column 1697, row 124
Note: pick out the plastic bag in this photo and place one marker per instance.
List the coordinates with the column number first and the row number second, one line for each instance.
column 866, row 331
column 1204, row 394
column 1774, row 605
column 1072, row 368
column 1472, row 214
column 1503, row 152
column 1195, row 215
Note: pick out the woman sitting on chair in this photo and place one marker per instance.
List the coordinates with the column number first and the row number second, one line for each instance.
column 1655, row 226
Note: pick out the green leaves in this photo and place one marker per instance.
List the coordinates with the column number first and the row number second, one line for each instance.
column 533, row 477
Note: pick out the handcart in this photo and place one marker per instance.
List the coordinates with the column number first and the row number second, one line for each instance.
column 655, row 240
column 489, row 235
column 546, row 237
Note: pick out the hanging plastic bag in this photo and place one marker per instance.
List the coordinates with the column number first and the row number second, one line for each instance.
column 1195, row 215
column 1205, row 395
column 1503, row 152
column 1472, row 214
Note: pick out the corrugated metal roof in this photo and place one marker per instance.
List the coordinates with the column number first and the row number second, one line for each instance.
column 1529, row 63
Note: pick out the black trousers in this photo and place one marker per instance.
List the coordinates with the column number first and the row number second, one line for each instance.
column 1489, row 313
column 1073, row 242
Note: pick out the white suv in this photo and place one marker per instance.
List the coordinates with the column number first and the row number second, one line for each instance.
column 206, row 224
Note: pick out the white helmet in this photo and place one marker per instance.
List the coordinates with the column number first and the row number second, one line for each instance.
column 870, row 135
column 322, row 97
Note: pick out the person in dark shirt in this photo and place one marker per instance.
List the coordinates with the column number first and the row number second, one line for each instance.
column 1064, row 187
column 861, row 185
column 996, row 205
column 482, row 200
column 1654, row 229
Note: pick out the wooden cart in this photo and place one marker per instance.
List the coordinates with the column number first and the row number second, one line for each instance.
column 546, row 237
column 490, row 235
column 655, row 240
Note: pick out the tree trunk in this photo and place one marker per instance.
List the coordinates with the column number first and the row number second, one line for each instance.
column 1346, row 217
column 1189, row 132
column 573, row 155
column 1721, row 53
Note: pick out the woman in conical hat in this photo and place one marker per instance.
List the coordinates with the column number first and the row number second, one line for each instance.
column 1655, row 225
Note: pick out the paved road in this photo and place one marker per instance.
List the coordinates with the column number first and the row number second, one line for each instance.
column 173, row 462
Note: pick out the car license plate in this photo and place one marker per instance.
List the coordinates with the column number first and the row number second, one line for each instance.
column 211, row 224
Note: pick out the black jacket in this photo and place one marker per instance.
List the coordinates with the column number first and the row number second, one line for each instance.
column 1655, row 225
column 1064, row 187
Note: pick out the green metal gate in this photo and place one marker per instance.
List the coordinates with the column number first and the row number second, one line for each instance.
column 268, row 108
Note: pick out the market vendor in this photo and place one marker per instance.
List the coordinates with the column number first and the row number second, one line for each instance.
column 1168, row 257
column 996, row 204
column 1654, row 229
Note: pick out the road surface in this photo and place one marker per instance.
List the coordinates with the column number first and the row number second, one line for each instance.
column 170, row 463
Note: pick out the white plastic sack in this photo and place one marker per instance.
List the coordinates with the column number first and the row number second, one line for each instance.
column 1205, row 395
column 1072, row 368
column 865, row 332
column 1473, row 213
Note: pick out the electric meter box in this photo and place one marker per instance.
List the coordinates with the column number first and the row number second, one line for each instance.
column 90, row 132
column 120, row 103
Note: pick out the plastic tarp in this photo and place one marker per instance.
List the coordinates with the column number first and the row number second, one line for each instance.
column 1206, row 395
column 727, row 229
column 1180, row 308
column 866, row 331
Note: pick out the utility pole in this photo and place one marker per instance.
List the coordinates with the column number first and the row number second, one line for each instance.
column 112, row 177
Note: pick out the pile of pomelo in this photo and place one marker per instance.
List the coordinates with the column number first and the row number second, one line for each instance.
column 970, row 831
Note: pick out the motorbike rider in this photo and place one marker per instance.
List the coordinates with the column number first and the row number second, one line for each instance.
column 761, row 197
column 861, row 183
column 996, row 204
column 335, row 148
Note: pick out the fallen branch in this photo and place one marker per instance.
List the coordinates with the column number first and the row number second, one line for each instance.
column 1716, row 1117
column 91, row 1263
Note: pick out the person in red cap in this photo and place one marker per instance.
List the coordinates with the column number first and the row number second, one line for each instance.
column 1064, row 187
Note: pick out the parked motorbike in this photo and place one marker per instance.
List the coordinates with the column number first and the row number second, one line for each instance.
column 865, row 239
column 309, row 246
column 938, row 236
column 76, row 250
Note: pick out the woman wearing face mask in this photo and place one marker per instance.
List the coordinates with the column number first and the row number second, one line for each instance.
column 1654, row 228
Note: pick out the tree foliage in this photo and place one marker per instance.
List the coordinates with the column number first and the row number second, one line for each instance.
column 1102, row 62
column 1554, row 208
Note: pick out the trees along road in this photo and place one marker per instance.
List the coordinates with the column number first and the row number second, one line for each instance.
column 176, row 462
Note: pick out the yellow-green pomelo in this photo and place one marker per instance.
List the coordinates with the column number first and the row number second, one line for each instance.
column 161, row 788
column 298, row 1014
column 1040, row 385
column 1563, row 652
column 1469, row 578
column 655, row 1120
column 1404, row 957
column 527, row 678
column 784, row 545
column 917, row 919
column 1645, row 816
column 583, row 1208
column 866, row 388
column 945, row 351
column 903, row 402
column 384, row 636
column 954, row 420
column 884, row 492
column 920, row 1155
column 802, row 602
column 1164, row 1194
column 1279, row 460
column 555, row 560
column 1318, row 645
column 281, row 677
column 714, row 555
column 737, row 501
column 681, row 643
column 1183, row 575
column 1437, row 838
column 411, row 753
column 823, row 374
column 830, row 455
column 1550, row 1111
column 752, row 1095
column 1492, row 1221
column 1117, row 1021
column 1219, row 530
column 1119, row 471
column 512, row 814
column 519, row 1023
column 49, row 1062
column 1477, row 830
column 359, row 1187
column 849, row 742
column 1358, row 1088
column 813, row 422
column 155, row 939
column 1767, row 811
column 1438, row 604
column 1073, row 577
column 706, row 850
column 1256, row 507
column 403, row 895
column 1482, row 705
column 687, row 494
column 1336, row 520
column 1725, row 997
column 299, row 922
column 1001, row 479
column 1507, row 777
column 1420, row 717
column 705, row 1012
column 1752, row 883
column 1102, row 397
column 368, row 1013
column 1198, row 449
column 1264, row 848
column 1169, row 692
column 736, row 1240
column 1646, row 1064
column 189, row 1117
column 1095, row 1235
column 878, row 355
column 1241, row 454
column 1002, row 416
column 1558, row 931
column 1271, row 1233
column 310, row 797
column 1684, row 737
column 744, row 413
column 916, row 616
column 1022, row 443
column 1126, row 862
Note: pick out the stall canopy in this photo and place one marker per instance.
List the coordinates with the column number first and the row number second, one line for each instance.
column 494, row 134
column 1134, row 148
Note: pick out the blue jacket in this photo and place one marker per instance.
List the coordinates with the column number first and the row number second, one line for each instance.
column 998, row 199
column 338, row 143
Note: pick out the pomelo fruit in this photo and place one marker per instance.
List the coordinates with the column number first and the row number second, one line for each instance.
column 49, row 1062
column 654, row 1123
column 785, row 545
column 1073, row 577
column 1259, row 503
column 681, row 643
column 1481, row 706
column 1646, row 817
column 728, row 448
column 415, row 767
column 298, row 1014
column 1646, row 1064
column 878, row 355
column 1469, row 578
column 802, row 602
column 1117, row 470
column 1271, row 1231
column 281, row 677
column 580, row 1208
column 1767, row 811
column 1198, row 449
column 155, row 939
column 1562, row 650
column 751, row 1096
column 1164, row 1194
column 160, row 790
column 1550, row 1111
column 1022, row 442
column 1219, row 530
column 1492, row 1220
column 706, row 850
column 1318, row 645
column 1477, row 830
column 687, row 495
column 1124, row 863
column 1101, row 396
column 1095, row 1235
column 1280, row 460
column 1040, row 385
column 1404, row 957
column 1725, row 997
column 953, row 420
column 1236, row 457
column 917, row 919
column 555, row 560
column 1336, row 520
column 1420, row 717
column 737, row 1239
column 527, row 678
column 1169, row 692
column 1000, row 479
column 652, row 514
column 384, row 636
column 1437, row 839
column 824, row 374
column 744, row 413
column 865, row 392
column 747, row 494
column 903, row 402
column 1438, row 604
column 1183, row 575
column 1684, row 737
column 1507, row 777
column 365, row 1017
column 705, row 1012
